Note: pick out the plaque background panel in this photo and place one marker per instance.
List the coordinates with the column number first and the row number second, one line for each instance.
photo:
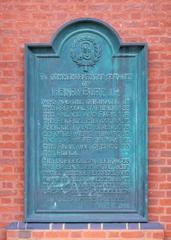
column 87, row 128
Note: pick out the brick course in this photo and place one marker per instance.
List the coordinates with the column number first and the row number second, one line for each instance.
column 82, row 234
column 29, row 21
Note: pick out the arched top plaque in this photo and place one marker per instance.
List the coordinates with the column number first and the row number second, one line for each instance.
column 86, row 126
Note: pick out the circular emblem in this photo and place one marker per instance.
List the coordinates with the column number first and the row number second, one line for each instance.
column 85, row 52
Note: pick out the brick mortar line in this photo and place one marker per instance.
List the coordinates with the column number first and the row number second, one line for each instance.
column 83, row 230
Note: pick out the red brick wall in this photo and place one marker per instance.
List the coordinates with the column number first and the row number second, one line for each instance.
column 86, row 234
column 28, row 21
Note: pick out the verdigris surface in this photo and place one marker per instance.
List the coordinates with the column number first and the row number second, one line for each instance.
column 86, row 127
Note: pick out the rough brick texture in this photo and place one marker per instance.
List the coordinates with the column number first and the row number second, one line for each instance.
column 85, row 234
column 28, row 21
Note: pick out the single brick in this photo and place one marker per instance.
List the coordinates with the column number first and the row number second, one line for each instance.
column 24, row 234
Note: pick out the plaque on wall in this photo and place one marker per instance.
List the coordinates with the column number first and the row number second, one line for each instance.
column 86, row 127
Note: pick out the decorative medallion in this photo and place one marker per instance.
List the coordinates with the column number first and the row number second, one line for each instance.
column 85, row 52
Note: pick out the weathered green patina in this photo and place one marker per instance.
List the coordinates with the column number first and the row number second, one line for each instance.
column 86, row 127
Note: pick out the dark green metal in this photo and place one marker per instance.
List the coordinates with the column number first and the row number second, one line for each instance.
column 86, row 127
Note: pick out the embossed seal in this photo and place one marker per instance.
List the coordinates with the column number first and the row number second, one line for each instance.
column 85, row 52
